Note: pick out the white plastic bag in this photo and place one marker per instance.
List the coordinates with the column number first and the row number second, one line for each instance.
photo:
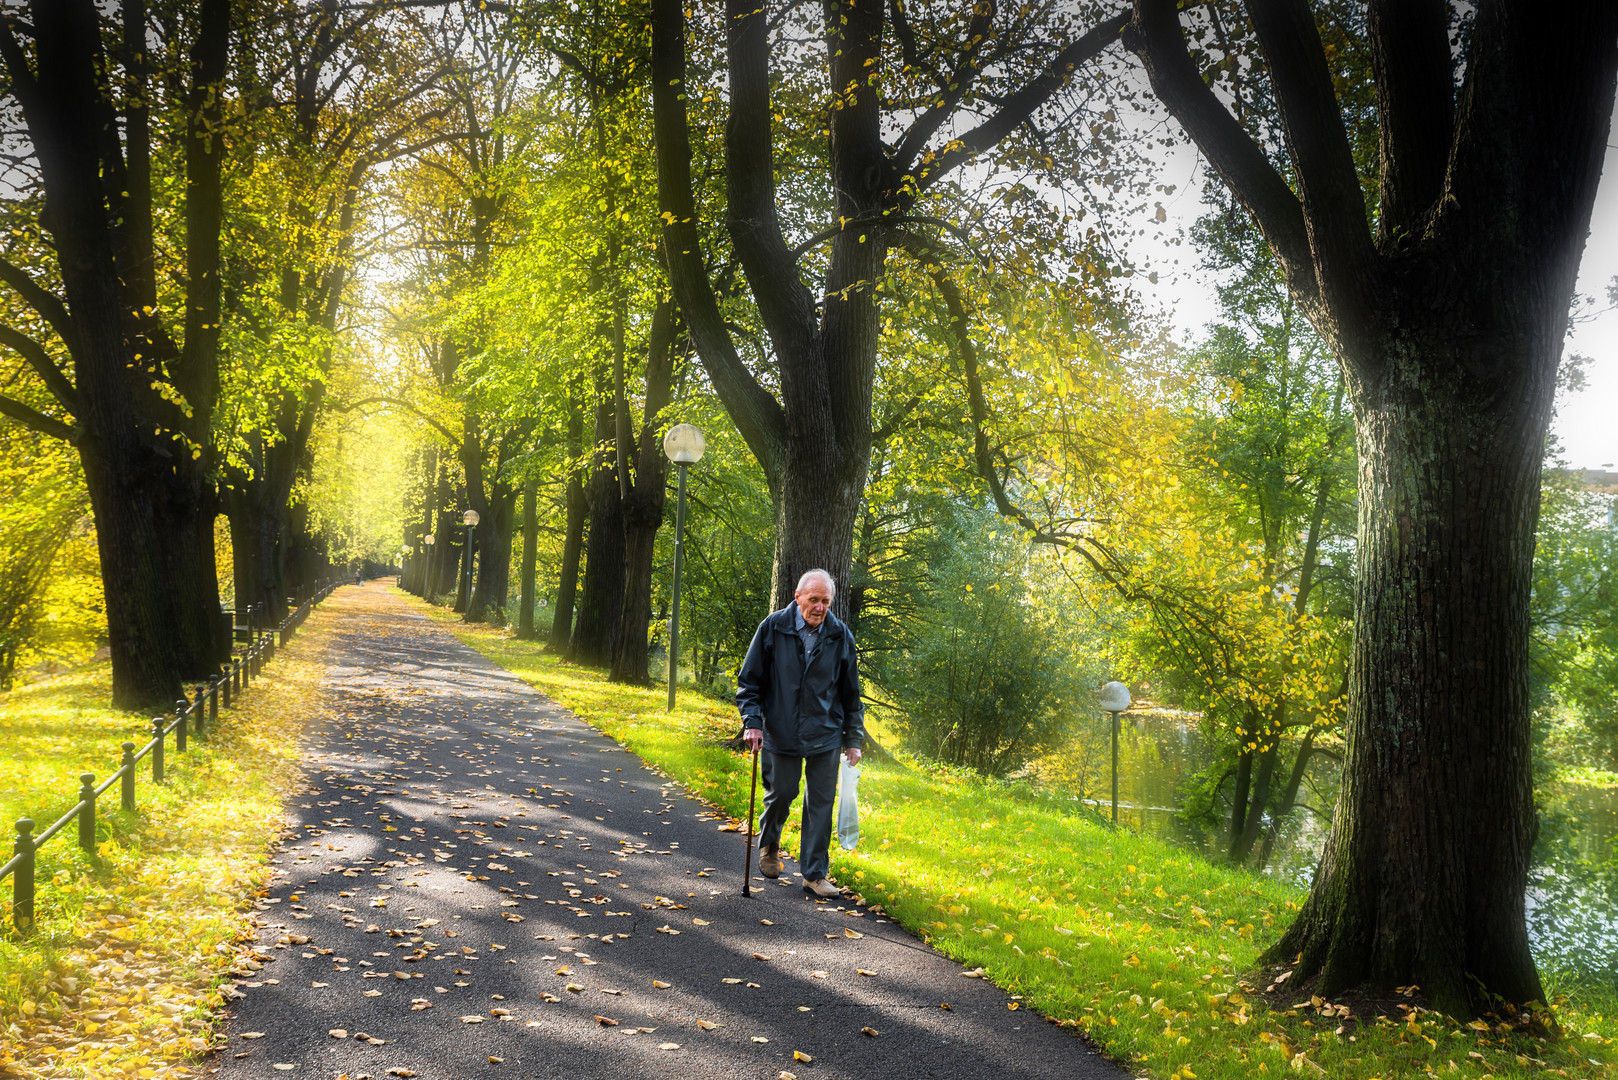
column 848, row 806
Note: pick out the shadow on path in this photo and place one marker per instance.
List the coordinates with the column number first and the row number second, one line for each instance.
column 474, row 883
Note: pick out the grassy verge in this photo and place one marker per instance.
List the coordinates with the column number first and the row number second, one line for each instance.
column 121, row 975
column 1143, row 945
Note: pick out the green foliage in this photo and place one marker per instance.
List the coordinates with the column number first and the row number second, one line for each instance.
column 1575, row 625
column 998, row 669
column 50, row 589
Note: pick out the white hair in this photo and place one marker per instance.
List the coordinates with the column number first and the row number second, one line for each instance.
column 810, row 575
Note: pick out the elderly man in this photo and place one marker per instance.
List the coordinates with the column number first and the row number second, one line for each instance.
column 799, row 694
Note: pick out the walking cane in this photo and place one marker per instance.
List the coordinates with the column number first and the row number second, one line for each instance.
column 747, row 867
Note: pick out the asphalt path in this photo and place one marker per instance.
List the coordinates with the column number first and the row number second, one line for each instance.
column 475, row 883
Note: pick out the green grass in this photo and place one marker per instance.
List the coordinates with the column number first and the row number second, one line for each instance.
column 1145, row 946
column 120, row 975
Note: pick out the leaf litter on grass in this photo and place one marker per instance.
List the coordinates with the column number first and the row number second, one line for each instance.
column 129, row 953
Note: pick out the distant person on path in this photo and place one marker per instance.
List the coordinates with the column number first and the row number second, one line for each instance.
column 799, row 695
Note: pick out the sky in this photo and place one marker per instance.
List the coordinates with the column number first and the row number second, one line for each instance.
column 1585, row 423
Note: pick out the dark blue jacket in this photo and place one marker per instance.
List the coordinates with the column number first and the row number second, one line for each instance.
column 806, row 705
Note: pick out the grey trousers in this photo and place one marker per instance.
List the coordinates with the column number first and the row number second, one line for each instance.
column 781, row 780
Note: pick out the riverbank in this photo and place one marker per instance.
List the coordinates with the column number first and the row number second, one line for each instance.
column 121, row 974
column 1147, row 947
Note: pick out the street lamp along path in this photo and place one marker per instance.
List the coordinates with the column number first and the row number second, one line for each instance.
column 1115, row 699
column 683, row 445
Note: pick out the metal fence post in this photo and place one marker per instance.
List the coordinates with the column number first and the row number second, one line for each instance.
column 128, row 781
column 87, row 812
column 22, row 879
column 213, row 700
column 179, row 729
column 157, row 749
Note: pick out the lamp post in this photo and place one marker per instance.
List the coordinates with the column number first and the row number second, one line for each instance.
column 684, row 445
column 470, row 520
column 1115, row 699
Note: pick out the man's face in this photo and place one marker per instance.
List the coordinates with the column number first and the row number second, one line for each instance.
column 813, row 600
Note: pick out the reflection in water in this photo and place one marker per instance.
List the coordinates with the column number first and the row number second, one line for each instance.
column 1160, row 753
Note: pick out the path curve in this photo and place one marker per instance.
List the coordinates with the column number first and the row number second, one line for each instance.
column 473, row 880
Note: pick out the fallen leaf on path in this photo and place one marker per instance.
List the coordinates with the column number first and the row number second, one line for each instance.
column 787, row 1076
column 494, row 1060
column 606, row 1021
column 760, row 1039
column 401, row 1072
column 761, row 956
column 852, row 933
column 613, row 992
column 872, row 1032
column 471, row 1019
column 373, row 993
column 799, row 1055
column 706, row 1025
column 862, row 971
column 322, row 986
column 765, row 922
column 574, row 987
column 283, row 1066
column 668, row 1046
column 975, row 973
column 251, row 1035
column 337, row 1033
column 730, row 982
column 660, row 984
column 817, row 974
column 700, row 922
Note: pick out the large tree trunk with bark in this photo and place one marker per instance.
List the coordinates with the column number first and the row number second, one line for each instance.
column 1425, row 869
column 162, row 592
column 816, row 509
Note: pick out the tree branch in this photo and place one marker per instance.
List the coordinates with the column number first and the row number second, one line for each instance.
column 1154, row 35
column 1410, row 57
column 399, row 403
column 1021, row 104
column 42, row 300
column 32, row 418
column 42, row 363
column 1328, row 187
column 757, row 415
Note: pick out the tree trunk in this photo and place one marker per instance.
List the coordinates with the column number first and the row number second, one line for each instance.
column 572, row 542
column 816, row 508
column 494, row 556
column 602, row 595
column 1426, row 865
column 465, row 570
column 162, row 592
column 643, row 503
column 530, row 549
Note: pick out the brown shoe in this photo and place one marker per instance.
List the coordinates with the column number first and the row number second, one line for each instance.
column 823, row 888
column 769, row 862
